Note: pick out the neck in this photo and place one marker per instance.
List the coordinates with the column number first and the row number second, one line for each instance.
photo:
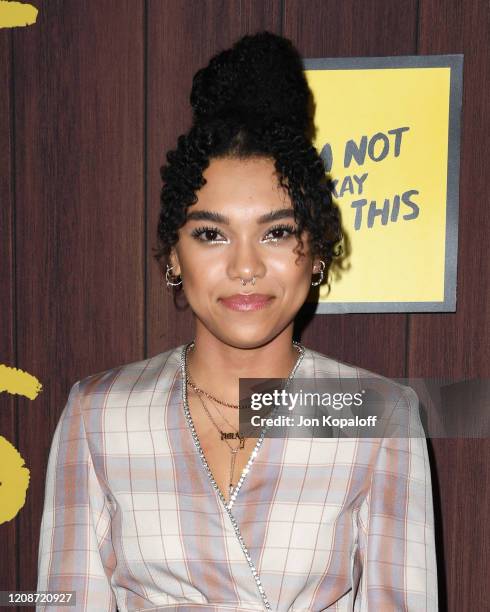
column 216, row 367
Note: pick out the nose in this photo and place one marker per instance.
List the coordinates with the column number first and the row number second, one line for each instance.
column 245, row 261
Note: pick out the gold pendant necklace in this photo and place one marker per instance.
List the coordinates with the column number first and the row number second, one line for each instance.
column 225, row 436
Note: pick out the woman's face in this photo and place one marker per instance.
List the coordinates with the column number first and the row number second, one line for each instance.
column 226, row 238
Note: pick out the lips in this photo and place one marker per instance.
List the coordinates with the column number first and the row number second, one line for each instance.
column 250, row 301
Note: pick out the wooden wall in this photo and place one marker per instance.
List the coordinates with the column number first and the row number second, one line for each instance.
column 93, row 96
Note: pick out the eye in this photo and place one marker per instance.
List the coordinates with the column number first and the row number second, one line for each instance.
column 278, row 231
column 206, row 234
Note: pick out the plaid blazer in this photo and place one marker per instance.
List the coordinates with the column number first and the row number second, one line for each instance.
column 131, row 517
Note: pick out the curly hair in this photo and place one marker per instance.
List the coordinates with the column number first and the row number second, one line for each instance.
column 252, row 101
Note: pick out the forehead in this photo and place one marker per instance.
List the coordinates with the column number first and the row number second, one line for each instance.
column 241, row 184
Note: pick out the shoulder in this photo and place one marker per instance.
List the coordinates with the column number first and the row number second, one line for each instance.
column 395, row 404
column 136, row 377
column 319, row 365
column 99, row 405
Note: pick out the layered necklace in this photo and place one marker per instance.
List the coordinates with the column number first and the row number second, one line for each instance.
column 226, row 436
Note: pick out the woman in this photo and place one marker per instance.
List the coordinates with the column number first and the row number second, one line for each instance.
column 154, row 498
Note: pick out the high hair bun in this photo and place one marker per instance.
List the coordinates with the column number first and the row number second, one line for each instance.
column 259, row 80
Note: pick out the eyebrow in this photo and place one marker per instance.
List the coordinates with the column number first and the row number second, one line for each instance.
column 207, row 215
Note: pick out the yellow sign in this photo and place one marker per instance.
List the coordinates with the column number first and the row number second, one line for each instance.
column 388, row 132
column 17, row 14
column 14, row 475
column 14, row 481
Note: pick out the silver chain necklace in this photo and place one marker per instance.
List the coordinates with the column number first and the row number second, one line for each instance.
column 224, row 436
column 227, row 505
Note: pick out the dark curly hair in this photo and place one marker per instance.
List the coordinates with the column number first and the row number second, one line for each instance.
column 252, row 100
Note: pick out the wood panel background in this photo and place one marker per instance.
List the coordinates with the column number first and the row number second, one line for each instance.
column 93, row 95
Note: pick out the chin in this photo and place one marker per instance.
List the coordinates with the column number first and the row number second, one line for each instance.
column 248, row 339
column 238, row 338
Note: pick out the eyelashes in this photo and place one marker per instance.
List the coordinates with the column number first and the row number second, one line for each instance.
column 199, row 232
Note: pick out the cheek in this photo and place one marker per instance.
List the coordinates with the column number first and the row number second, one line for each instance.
column 290, row 269
column 203, row 273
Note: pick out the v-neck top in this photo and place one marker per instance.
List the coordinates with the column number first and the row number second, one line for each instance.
column 133, row 520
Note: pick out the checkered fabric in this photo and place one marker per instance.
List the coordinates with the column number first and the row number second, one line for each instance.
column 131, row 518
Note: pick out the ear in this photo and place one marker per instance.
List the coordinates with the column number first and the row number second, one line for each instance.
column 316, row 265
column 174, row 262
